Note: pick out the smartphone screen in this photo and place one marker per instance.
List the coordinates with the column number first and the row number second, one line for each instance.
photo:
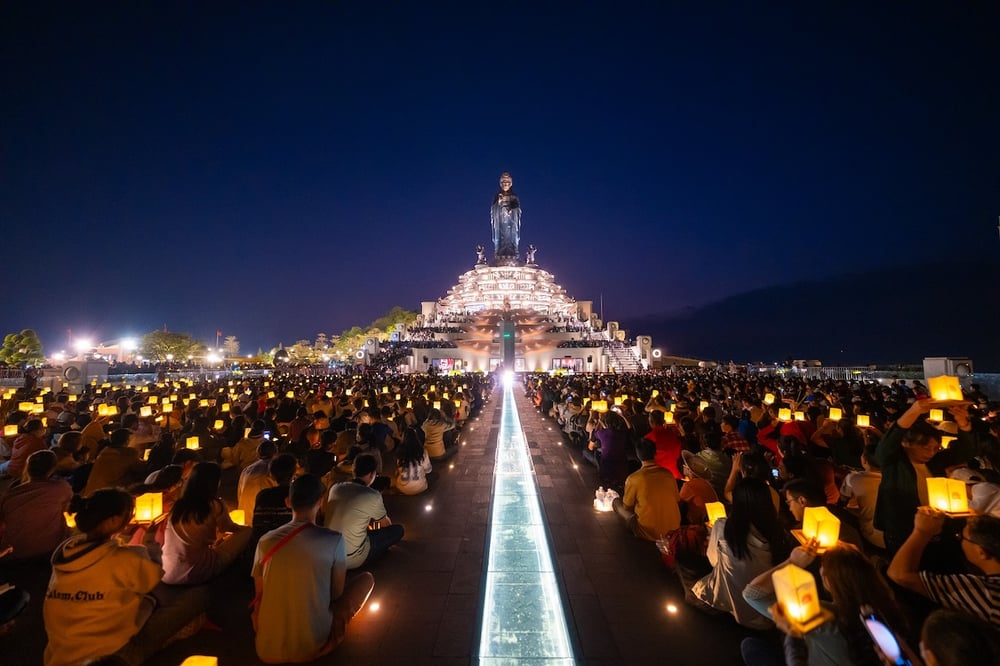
column 267, row 434
column 775, row 473
column 885, row 641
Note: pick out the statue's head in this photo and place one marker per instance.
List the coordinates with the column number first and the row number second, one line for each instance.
column 505, row 181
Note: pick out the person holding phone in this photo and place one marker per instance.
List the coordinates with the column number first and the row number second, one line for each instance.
column 852, row 582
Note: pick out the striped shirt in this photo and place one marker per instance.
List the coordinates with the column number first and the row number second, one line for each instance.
column 978, row 595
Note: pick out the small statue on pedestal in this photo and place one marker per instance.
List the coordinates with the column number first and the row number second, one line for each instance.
column 480, row 255
column 531, row 255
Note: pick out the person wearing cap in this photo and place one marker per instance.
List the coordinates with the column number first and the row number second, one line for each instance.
column 303, row 600
column 905, row 454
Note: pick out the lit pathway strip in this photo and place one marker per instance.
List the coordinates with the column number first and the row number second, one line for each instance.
column 523, row 618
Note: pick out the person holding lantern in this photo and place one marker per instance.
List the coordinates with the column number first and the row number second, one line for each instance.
column 974, row 593
column 906, row 454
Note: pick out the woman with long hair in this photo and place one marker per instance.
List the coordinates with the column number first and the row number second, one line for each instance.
column 740, row 547
column 853, row 582
column 610, row 435
column 412, row 465
column 201, row 539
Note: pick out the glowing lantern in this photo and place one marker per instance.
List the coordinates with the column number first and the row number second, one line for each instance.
column 599, row 406
column 153, row 399
column 102, row 410
column 112, row 410
column 604, row 499
column 72, row 397
column 266, row 384
column 347, row 391
column 948, row 495
column 70, row 519
column 144, row 389
column 668, row 417
column 270, row 395
column 800, row 416
column 238, row 516
column 45, row 422
column 818, row 523
column 795, row 589
column 437, row 404
column 39, row 400
column 185, row 401
column 768, row 398
column 624, row 396
column 38, row 409
column 10, row 431
column 174, row 397
column 385, row 389
column 784, row 414
column 673, row 407
column 203, row 402
column 458, row 403
column 702, row 405
column 148, row 507
column 655, row 393
column 398, row 396
column 409, row 404
column 864, row 421
column 219, row 425
column 946, row 441
column 836, row 414
column 945, row 388
column 618, row 401
column 432, row 388
column 936, row 415
column 225, row 407
column 715, row 510
column 290, row 394
column 246, row 432
column 167, row 408
column 199, row 660
column 193, row 443
column 145, row 411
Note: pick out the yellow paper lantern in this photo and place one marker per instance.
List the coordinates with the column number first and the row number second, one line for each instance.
column 624, row 397
column 203, row 402
column 154, row 399
column 145, row 454
column 174, row 397
column 946, row 441
column 398, row 396
column 715, row 510
column 458, row 403
column 836, row 414
column 347, row 392
column 266, row 384
column 225, row 407
column 185, row 401
column 289, row 394
column 39, row 399
column 818, row 523
column 385, row 389
column 192, row 443
column 673, row 407
column 219, row 424
column 167, row 408
column 192, row 396
column 112, row 410
column 768, row 398
column 409, row 404
column 148, row 507
column 655, row 393
column 702, row 405
column 800, row 416
column 145, row 411
column 436, row 404
column 784, row 414
column 864, row 421
column 936, row 415
column 945, row 388
column 199, row 660
column 270, row 394
column 38, row 409
column 618, row 401
column 9, row 431
column 329, row 394
column 70, row 519
column 668, row 418
column 144, row 389
column 102, row 410
column 238, row 516
column 948, row 495
column 795, row 589
column 45, row 422
column 599, row 406
column 432, row 388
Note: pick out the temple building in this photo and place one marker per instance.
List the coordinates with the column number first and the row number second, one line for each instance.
column 509, row 312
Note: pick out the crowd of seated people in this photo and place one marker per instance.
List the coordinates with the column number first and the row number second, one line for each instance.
column 88, row 457
column 721, row 436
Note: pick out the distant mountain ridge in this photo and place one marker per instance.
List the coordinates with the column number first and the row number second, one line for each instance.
column 892, row 315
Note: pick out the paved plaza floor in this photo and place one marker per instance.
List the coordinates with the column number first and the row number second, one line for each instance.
column 428, row 589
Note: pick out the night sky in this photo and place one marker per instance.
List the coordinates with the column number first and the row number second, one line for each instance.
column 278, row 170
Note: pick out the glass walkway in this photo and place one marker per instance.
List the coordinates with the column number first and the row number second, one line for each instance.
column 523, row 620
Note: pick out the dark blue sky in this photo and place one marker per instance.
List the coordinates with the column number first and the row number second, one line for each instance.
column 276, row 170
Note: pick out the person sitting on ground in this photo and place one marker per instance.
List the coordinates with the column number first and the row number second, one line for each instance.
column 905, row 454
column 245, row 450
column 801, row 494
column 67, row 453
column 104, row 598
column 715, row 458
column 667, row 441
column 953, row 638
column 862, row 488
column 434, row 428
column 255, row 477
column 412, row 465
column 358, row 512
column 270, row 509
column 650, row 505
column 116, row 465
column 201, row 539
column 732, row 441
column 751, row 465
column 321, row 459
column 741, row 546
column 609, row 441
column 696, row 492
column 974, row 593
column 302, row 599
column 29, row 441
column 853, row 582
column 31, row 513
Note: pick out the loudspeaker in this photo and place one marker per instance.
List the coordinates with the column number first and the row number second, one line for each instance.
column 590, row 359
column 645, row 344
column 426, row 360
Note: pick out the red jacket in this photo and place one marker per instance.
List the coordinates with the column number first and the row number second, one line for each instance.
column 23, row 447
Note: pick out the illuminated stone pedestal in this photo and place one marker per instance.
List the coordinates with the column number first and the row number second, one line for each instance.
column 523, row 287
